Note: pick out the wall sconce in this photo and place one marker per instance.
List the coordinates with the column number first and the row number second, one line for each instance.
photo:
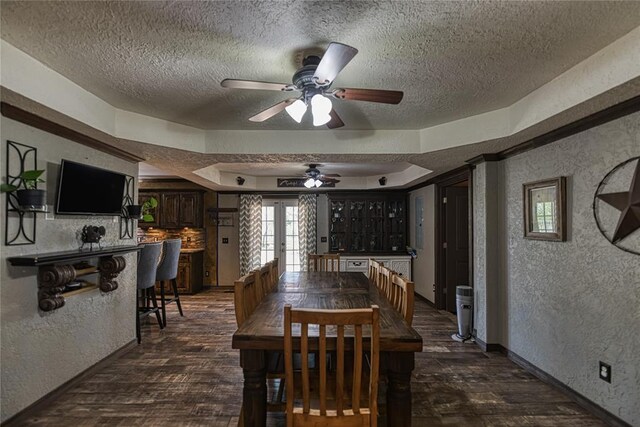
column 383, row 181
column 240, row 180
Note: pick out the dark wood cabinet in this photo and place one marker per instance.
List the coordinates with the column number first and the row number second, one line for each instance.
column 170, row 208
column 175, row 209
column 191, row 210
column 190, row 278
column 190, row 273
column 367, row 222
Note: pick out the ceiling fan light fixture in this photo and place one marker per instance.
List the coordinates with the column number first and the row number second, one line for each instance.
column 317, row 183
column 297, row 110
column 310, row 183
column 320, row 108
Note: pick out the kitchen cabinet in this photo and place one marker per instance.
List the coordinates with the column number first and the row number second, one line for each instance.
column 190, row 269
column 190, row 273
column 176, row 209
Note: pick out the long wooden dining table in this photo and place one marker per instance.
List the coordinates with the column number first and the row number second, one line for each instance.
column 263, row 331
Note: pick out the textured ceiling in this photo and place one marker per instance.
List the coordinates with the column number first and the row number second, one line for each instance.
column 288, row 169
column 452, row 59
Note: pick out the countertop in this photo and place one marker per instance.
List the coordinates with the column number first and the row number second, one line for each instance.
column 191, row 250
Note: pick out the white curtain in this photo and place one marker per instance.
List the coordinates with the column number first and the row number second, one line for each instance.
column 250, row 232
column 306, row 228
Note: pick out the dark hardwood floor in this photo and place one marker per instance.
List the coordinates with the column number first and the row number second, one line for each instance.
column 188, row 375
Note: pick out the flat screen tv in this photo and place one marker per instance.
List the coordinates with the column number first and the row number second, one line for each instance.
column 87, row 190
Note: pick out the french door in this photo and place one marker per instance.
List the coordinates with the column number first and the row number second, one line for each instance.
column 280, row 237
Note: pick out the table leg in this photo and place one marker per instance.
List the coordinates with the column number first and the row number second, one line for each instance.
column 254, row 393
column 399, row 366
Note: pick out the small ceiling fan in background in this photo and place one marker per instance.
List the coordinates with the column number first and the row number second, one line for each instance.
column 314, row 80
column 314, row 178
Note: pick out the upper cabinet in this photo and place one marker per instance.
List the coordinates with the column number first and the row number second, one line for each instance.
column 367, row 222
column 191, row 209
column 176, row 209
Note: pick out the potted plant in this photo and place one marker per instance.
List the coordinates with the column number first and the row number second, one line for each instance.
column 147, row 206
column 29, row 197
column 143, row 211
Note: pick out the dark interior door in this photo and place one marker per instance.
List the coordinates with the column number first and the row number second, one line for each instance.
column 457, row 242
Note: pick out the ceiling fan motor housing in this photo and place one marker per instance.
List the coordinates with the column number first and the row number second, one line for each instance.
column 303, row 78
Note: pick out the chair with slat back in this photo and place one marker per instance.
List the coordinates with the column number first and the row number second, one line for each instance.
column 246, row 296
column 324, row 262
column 265, row 284
column 402, row 297
column 386, row 275
column 275, row 272
column 374, row 271
column 341, row 415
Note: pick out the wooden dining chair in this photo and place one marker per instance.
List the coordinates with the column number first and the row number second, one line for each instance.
column 385, row 277
column 336, row 412
column 402, row 297
column 275, row 272
column 265, row 281
column 246, row 296
column 324, row 262
column 374, row 271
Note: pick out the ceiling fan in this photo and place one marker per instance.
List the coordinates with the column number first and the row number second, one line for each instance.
column 314, row 178
column 314, row 80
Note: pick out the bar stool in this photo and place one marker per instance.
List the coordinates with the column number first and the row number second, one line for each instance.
column 148, row 259
column 168, row 271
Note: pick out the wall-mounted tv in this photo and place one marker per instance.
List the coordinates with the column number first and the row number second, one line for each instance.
column 88, row 190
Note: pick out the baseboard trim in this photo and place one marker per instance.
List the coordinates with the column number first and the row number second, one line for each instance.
column 421, row 298
column 21, row 417
column 587, row 404
column 490, row 348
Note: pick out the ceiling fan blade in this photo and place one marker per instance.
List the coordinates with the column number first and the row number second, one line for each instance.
column 336, row 121
column 272, row 111
column 332, row 175
column 336, row 57
column 250, row 84
column 370, row 95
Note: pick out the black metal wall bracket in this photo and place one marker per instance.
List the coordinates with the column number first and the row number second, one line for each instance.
column 20, row 224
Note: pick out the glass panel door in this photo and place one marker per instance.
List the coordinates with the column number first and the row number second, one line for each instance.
column 280, row 236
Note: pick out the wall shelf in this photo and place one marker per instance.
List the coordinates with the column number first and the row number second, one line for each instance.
column 57, row 269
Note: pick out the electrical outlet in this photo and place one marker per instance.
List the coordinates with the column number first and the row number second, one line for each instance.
column 323, row 239
column 49, row 216
column 188, row 239
column 605, row 372
column 225, row 240
column 206, row 274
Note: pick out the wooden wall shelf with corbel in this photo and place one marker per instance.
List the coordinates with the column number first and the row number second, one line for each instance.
column 56, row 270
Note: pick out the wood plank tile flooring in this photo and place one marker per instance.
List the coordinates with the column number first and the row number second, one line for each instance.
column 188, row 375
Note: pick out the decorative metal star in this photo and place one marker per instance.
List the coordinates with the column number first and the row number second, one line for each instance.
column 628, row 203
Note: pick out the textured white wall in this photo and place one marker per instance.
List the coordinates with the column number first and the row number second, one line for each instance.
column 228, row 254
column 488, row 258
column 424, row 274
column 569, row 304
column 41, row 351
column 322, row 221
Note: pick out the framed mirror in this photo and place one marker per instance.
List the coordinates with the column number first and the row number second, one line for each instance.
column 545, row 216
